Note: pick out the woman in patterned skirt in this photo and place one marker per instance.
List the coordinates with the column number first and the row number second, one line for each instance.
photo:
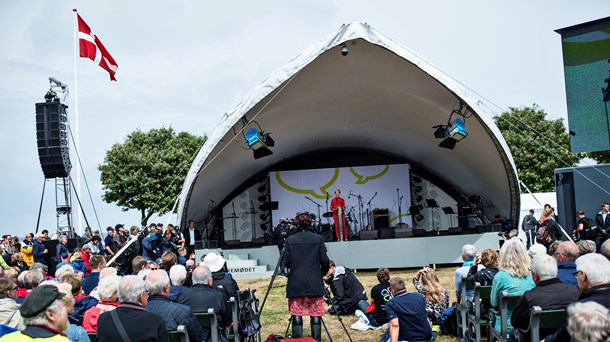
column 305, row 256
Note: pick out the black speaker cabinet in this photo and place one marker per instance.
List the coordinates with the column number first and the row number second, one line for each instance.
column 386, row 232
column 368, row 234
column 419, row 232
column 403, row 233
column 381, row 218
column 232, row 244
column 52, row 139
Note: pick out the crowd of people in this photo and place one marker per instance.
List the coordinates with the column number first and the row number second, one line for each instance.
column 155, row 286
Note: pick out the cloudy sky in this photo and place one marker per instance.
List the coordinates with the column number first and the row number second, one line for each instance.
column 185, row 63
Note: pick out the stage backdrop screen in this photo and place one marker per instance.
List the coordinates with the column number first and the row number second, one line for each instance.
column 586, row 50
column 305, row 190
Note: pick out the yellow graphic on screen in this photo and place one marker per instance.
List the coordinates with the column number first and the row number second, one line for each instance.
column 323, row 189
column 361, row 179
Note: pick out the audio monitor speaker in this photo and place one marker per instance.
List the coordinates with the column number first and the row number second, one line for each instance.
column 52, row 139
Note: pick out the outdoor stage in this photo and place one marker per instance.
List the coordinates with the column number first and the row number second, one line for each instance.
column 371, row 254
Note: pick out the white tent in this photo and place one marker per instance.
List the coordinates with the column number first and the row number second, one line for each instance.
column 375, row 105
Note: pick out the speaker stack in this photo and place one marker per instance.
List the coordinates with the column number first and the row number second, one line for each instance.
column 52, row 138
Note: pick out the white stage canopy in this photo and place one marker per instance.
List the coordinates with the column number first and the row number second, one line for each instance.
column 374, row 106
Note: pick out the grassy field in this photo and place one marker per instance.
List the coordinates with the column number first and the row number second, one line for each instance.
column 275, row 314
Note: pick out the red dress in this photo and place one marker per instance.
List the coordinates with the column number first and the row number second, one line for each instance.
column 335, row 204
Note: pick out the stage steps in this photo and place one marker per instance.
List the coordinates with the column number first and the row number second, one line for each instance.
column 243, row 268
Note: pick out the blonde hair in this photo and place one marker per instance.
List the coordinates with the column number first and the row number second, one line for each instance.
column 434, row 291
column 77, row 255
column 514, row 259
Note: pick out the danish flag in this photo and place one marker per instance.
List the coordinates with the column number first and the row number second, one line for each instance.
column 91, row 47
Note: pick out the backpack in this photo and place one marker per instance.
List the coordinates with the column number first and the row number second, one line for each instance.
column 543, row 235
column 249, row 322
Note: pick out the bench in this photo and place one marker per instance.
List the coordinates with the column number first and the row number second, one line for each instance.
column 507, row 304
column 474, row 318
column 208, row 321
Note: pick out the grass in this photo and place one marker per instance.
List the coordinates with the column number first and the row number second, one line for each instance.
column 275, row 314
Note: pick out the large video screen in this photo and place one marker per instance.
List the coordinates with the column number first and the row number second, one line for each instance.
column 586, row 50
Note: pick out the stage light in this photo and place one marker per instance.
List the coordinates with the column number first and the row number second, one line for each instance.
column 418, row 188
column 263, row 216
column 418, row 198
column 454, row 131
column 257, row 140
column 344, row 49
column 264, row 226
column 416, row 179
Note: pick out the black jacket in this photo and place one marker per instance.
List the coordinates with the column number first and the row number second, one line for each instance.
column 139, row 324
column 548, row 294
column 347, row 290
column 305, row 255
column 187, row 236
column 202, row 297
column 599, row 294
column 174, row 314
column 225, row 284
column 485, row 276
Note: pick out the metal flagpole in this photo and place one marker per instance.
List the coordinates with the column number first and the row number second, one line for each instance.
column 76, row 139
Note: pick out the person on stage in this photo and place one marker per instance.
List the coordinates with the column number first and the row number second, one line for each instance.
column 337, row 205
column 305, row 256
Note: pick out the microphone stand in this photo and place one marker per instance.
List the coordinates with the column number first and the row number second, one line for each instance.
column 233, row 217
column 327, row 210
column 399, row 208
column 369, row 211
column 252, row 211
column 318, row 205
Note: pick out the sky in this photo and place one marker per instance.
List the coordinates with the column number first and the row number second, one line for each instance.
column 185, row 63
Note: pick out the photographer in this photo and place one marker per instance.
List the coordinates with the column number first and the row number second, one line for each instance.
column 349, row 294
column 305, row 255
column 280, row 234
column 151, row 244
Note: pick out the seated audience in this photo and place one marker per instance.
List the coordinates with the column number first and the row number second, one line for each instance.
column 82, row 303
column 132, row 315
column 348, row 293
column 173, row 314
column 9, row 309
column 31, row 280
column 108, row 290
column 588, row 322
column 380, row 295
column 202, row 296
column 177, row 275
column 469, row 253
column 44, row 314
column 485, row 276
column 513, row 275
column 138, row 263
column 586, row 247
column 566, row 255
column 65, row 269
column 74, row 332
column 97, row 263
column 605, row 249
column 168, row 259
column 78, row 265
column 593, row 277
column 407, row 315
column 437, row 298
column 536, row 249
column 182, row 257
column 550, row 293
column 222, row 279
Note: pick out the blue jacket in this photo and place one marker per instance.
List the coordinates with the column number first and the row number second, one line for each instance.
column 91, row 282
column 38, row 252
column 565, row 272
column 174, row 314
column 78, row 265
column 61, row 251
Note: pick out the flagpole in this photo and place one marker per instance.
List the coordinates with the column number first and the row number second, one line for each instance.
column 76, row 140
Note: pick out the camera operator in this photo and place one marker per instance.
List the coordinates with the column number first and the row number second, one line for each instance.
column 151, row 245
column 305, row 255
column 349, row 294
column 280, row 234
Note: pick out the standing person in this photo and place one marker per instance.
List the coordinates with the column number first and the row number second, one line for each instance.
column 109, row 242
column 548, row 223
column 39, row 252
column 529, row 227
column 61, row 250
column 190, row 235
column 602, row 220
column 337, row 205
column 27, row 250
column 584, row 227
column 305, row 255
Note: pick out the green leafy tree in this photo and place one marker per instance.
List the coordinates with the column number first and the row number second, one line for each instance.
column 538, row 145
column 601, row 157
column 146, row 172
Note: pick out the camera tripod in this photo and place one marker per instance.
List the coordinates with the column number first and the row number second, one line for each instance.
column 326, row 295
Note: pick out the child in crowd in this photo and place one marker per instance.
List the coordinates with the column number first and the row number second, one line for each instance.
column 78, row 265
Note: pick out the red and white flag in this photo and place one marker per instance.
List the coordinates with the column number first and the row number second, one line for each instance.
column 91, row 47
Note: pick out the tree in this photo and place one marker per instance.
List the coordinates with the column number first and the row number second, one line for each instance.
column 601, row 157
column 146, row 172
column 538, row 145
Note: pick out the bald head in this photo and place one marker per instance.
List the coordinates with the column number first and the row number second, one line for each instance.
column 567, row 251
